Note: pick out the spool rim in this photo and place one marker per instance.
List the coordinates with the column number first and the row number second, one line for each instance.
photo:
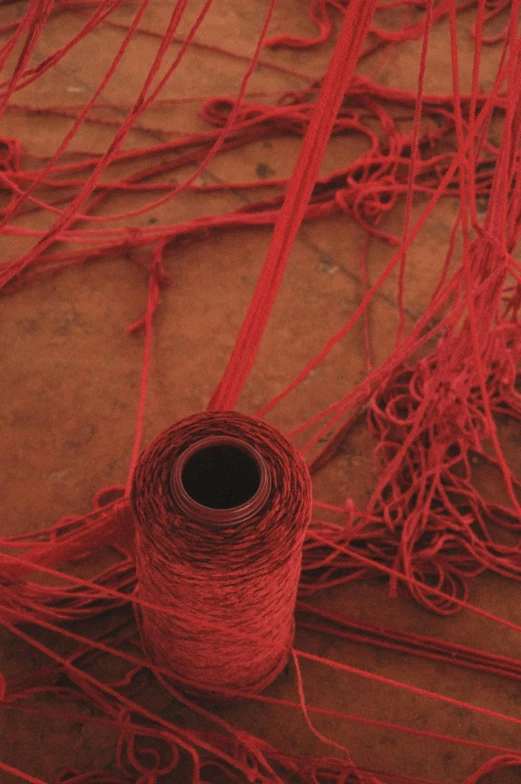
column 236, row 514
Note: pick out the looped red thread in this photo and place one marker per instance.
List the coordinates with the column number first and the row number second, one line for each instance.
column 133, row 756
column 427, row 526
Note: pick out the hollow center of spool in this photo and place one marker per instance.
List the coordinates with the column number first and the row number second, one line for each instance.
column 220, row 479
column 221, row 476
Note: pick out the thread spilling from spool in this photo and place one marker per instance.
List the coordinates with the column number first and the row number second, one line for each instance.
column 221, row 503
column 427, row 525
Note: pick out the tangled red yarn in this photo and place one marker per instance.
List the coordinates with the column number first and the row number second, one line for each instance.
column 432, row 406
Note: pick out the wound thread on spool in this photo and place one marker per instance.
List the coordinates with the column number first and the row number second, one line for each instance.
column 221, row 504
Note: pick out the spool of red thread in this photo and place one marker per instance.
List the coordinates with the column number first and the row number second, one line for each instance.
column 221, row 503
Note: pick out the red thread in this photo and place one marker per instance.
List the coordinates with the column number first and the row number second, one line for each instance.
column 303, row 179
column 426, row 526
column 240, row 574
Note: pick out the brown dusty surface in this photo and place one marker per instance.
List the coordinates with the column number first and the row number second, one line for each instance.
column 71, row 376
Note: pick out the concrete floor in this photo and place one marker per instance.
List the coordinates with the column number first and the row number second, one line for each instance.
column 71, row 380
